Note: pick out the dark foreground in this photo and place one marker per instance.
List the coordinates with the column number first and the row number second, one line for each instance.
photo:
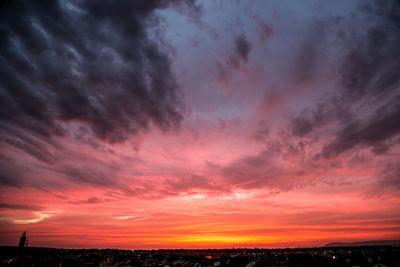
column 339, row 256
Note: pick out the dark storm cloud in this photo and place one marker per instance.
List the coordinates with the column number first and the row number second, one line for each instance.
column 371, row 73
column 372, row 63
column 369, row 76
column 91, row 62
column 102, row 175
column 91, row 200
column 239, row 55
column 372, row 69
column 301, row 126
column 38, row 153
column 305, row 123
column 31, row 143
column 384, row 125
column 94, row 177
column 242, row 47
column 10, row 206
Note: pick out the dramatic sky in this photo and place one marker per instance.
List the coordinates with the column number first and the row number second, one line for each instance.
column 182, row 124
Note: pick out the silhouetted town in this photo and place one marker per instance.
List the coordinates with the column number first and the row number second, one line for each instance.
column 371, row 255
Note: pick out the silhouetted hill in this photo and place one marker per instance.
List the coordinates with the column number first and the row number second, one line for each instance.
column 365, row 243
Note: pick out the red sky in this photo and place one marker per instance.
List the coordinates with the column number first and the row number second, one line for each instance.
column 199, row 125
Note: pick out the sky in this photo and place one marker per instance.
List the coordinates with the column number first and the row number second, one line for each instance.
column 199, row 124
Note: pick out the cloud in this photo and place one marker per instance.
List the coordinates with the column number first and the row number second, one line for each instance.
column 10, row 206
column 372, row 62
column 91, row 62
column 260, row 170
column 265, row 31
column 388, row 182
column 190, row 183
column 10, row 174
column 91, row 200
column 239, row 55
column 309, row 119
column 369, row 76
column 99, row 177
column 249, row 171
column 86, row 71
column 40, row 154
column 381, row 127
column 301, row 126
column 242, row 47
column 366, row 106
column 358, row 122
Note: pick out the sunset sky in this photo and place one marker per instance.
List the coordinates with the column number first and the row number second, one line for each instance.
column 199, row 124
